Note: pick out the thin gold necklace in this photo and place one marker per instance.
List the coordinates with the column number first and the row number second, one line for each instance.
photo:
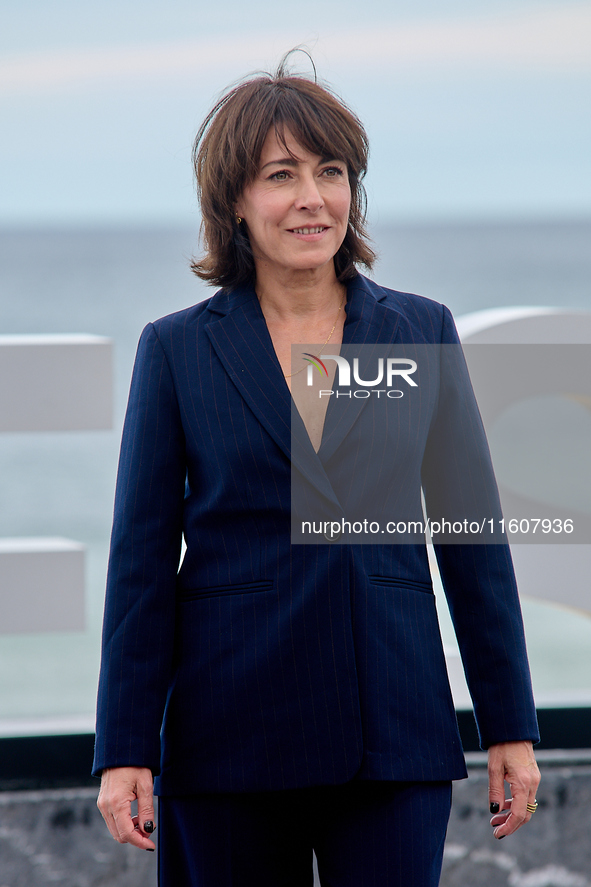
column 289, row 375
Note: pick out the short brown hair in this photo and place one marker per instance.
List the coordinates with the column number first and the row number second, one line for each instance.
column 227, row 152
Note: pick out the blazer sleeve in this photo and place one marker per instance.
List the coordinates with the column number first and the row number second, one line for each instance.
column 478, row 579
column 138, row 629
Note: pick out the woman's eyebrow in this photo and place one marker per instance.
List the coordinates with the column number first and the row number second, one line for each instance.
column 284, row 161
column 292, row 161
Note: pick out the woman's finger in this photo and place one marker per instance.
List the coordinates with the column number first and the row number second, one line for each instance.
column 145, row 804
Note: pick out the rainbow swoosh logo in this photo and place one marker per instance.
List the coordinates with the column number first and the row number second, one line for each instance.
column 316, row 362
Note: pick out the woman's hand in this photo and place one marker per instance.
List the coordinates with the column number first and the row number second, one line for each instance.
column 511, row 762
column 119, row 787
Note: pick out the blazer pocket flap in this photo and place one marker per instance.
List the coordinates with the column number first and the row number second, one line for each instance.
column 192, row 594
column 394, row 582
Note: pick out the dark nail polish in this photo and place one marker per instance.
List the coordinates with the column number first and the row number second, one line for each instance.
column 494, row 807
column 148, row 826
column 150, row 849
column 501, row 838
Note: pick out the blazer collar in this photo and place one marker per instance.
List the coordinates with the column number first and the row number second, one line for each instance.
column 368, row 320
column 239, row 335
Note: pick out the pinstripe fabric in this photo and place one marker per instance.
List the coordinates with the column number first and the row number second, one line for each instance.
column 274, row 665
column 364, row 834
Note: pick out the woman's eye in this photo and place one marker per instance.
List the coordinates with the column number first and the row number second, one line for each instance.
column 280, row 176
column 333, row 171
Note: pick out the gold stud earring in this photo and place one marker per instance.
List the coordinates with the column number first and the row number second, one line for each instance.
column 238, row 219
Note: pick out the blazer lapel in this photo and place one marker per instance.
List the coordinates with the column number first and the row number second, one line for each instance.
column 240, row 338
column 369, row 322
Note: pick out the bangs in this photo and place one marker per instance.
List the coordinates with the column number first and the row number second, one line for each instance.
column 315, row 130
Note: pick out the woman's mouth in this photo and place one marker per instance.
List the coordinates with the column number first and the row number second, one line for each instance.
column 317, row 229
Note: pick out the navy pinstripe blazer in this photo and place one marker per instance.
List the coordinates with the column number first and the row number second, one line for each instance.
column 266, row 665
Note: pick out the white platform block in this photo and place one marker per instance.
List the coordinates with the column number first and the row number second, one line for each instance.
column 55, row 383
column 457, row 679
column 557, row 573
column 527, row 325
column 41, row 585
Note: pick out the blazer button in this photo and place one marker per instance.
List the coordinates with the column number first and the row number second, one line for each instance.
column 332, row 537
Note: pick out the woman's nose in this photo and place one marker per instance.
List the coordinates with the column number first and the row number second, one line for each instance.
column 308, row 195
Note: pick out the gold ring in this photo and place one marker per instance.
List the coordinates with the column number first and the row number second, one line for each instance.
column 531, row 808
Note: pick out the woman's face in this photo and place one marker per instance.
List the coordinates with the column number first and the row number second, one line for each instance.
column 296, row 209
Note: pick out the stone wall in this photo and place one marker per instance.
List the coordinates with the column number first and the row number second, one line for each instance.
column 553, row 850
column 58, row 837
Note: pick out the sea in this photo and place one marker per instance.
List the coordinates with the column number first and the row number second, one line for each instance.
column 112, row 281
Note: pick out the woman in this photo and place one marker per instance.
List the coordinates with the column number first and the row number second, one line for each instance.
column 301, row 689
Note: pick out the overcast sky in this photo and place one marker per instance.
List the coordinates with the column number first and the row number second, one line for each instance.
column 474, row 109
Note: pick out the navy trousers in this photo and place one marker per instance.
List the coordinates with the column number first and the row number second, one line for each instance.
column 364, row 834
